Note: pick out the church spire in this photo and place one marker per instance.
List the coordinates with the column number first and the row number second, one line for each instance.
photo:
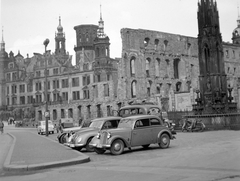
column 100, row 32
column 2, row 42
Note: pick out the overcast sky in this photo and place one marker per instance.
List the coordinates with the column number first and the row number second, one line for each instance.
column 27, row 23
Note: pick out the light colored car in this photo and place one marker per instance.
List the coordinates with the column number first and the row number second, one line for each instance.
column 41, row 129
column 82, row 138
column 139, row 130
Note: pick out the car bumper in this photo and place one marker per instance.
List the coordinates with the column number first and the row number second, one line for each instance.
column 76, row 145
column 98, row 145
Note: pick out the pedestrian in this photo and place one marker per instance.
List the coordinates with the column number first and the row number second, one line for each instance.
column 1, row 126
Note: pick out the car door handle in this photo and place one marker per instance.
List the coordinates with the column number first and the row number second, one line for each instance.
column 134, row 133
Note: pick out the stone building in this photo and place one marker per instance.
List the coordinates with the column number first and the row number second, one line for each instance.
column 154, row 66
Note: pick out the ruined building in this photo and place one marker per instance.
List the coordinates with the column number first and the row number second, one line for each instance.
column 154, row 66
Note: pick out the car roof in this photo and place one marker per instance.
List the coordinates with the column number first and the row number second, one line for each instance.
column 140, row 106
column 106, row 118
column 137, row 116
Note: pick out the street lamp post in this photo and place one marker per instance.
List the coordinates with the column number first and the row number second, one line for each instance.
column 45, row 43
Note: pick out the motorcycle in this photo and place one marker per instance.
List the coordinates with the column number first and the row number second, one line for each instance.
column 193, row 126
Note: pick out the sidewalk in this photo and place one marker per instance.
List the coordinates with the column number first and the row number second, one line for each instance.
column 30, row 151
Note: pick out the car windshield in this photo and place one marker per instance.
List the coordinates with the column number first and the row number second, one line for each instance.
column 126, row 123
column 96, row 124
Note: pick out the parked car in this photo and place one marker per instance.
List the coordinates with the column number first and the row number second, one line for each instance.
column 149, row 109
column 41, row 129
column 82, row 138
column 141, row 109
column 138, row 130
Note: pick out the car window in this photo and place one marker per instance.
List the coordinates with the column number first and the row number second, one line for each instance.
column 154, row 121
column 142, row 123
column 154, row 111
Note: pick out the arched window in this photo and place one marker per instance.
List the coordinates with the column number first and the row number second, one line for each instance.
column 146, row 42
column 133, row 88
column 178, row 86
column 132, row 66
column 157, row 67
column 156, row 42
column 98, row 52
column 149, row 85
column 176, row 68
column 165, row 45
column 148, row 60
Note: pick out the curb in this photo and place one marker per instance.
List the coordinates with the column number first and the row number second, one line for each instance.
column 8, row 167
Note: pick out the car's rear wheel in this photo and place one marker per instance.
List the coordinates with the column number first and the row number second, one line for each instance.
column 117, row 147
column 99, row 150
column 164, row 141
column 145, row 146
column 88, row 148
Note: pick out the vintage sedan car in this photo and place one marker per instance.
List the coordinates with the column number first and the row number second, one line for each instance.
column 82, row 138
column 139, row 130
column 139, row 109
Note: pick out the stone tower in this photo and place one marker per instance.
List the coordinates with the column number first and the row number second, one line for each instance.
column 236, row 32
column 60, row 47
column 85, row 36
column 3, row 61
column 214, row 96
column 103, row 65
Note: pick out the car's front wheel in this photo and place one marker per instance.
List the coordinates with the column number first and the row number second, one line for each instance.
column 117, row 147
column 99, row 150
column 164, row 141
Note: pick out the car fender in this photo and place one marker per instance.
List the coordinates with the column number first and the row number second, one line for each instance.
column 165, row 131
column 113, row 138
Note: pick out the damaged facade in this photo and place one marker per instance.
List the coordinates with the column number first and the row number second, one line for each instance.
column 154, row 66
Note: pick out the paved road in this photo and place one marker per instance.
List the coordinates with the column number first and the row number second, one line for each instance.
column 208, row 156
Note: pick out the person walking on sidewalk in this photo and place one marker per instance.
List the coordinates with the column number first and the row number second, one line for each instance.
column 1, row 126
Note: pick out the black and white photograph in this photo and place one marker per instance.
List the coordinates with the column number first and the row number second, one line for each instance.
column 133, row 90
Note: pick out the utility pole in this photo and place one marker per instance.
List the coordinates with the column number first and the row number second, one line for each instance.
column 45, row 43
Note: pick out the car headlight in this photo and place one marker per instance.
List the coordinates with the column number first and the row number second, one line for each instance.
column 78, row 139
column 98, row 136
column 108, row 135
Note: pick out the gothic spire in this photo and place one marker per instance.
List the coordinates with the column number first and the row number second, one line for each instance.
column 2, row 42
column 100, row 32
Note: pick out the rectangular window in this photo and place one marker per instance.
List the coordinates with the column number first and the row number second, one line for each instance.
column 62, row 113
column 75, row 82
column 56, row 96
column 22, row 88
column 14, row 89
column 55, row 84
column 65, row 96
column 14, row 76
column 76, row 95
column 30, row 99
column 55, row 71
column 22, row 100
column 86, row 94
column 14, row 100
column 29, row 88
column 8, row 77
column 65, row 83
